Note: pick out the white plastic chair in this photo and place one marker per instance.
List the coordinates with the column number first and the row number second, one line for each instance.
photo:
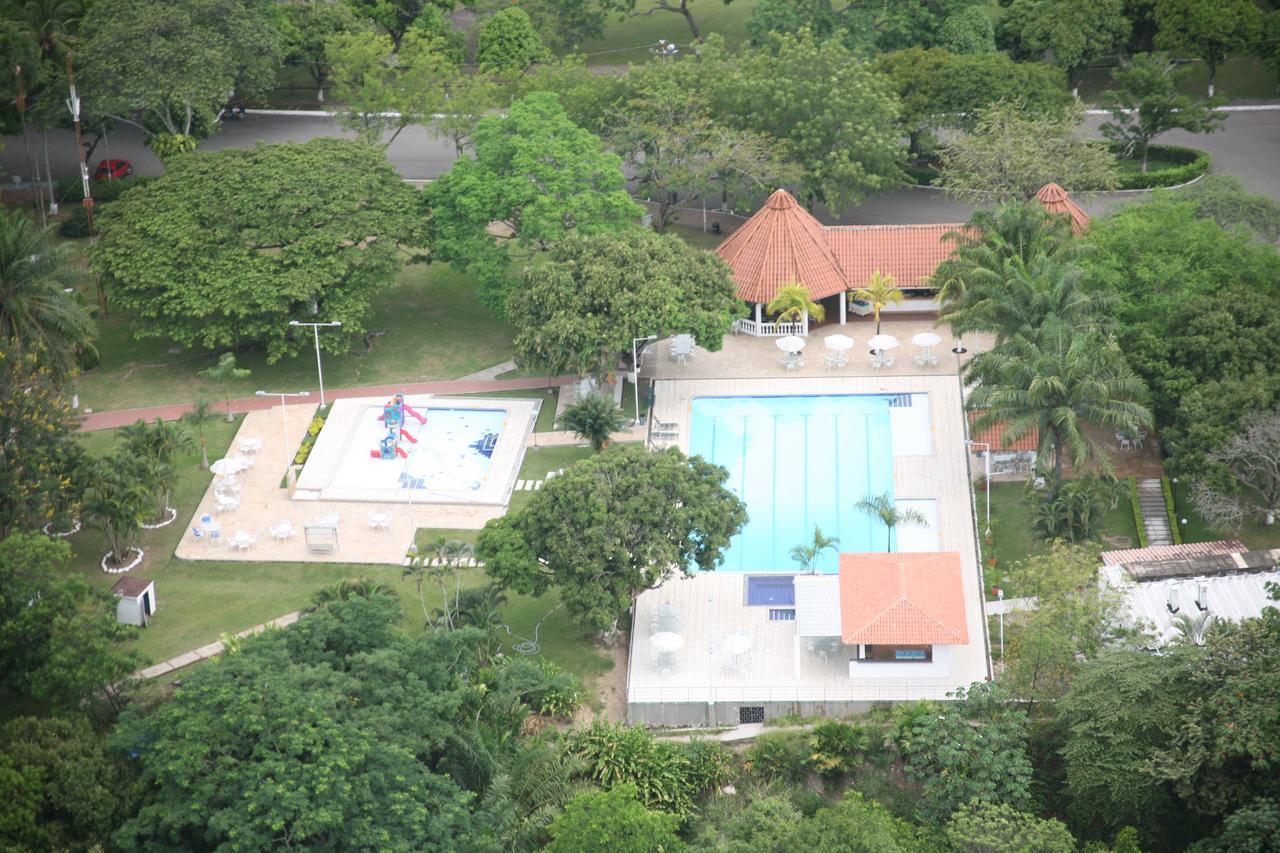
column 226, row 503
column 282, row 531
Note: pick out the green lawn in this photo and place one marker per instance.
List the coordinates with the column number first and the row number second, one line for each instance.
column 1128, row 165
column 629, row 40
column 199, row 601
column 1013, row 536
column 1254, row 533
column 1241, row 78
column 435, row 329
column 538, row 461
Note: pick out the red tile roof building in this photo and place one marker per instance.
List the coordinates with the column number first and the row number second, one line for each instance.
column 902, row 599
column 994, row 436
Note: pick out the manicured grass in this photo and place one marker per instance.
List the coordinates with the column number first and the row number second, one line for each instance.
column 1253, row 533
column 1126, row 165
column 435, row 329
column 200, row 601
column 538, row 461
column 1240, row 78
column 1014, row 538
column 629, row 40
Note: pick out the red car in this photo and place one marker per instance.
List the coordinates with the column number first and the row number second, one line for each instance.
column 114, row 169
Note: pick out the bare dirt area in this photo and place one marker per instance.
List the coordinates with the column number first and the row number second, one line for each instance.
column 609, row 689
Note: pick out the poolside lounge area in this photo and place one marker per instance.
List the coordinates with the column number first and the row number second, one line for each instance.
column 734, row 660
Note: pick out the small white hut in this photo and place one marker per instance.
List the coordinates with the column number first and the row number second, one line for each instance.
column 137, row 600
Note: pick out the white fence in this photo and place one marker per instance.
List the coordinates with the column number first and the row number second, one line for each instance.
column 769, row 330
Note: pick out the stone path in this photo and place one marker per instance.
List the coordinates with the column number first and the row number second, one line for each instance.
column 124, row 417
column 1155, row 515
column 489, row 372
column 212, row 649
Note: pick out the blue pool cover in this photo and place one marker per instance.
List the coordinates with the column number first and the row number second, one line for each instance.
column 798, row 462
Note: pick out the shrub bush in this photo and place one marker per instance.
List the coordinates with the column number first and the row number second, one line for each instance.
column 710, row 765
column 1175, row 529
column 540, row 684
column 1194, row 163
column 780, row 756
column 617, row 754
column 835, row 748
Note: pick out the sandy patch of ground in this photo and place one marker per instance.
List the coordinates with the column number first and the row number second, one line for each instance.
column 609, row 689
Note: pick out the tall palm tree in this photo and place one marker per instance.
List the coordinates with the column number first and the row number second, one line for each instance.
column 1056, row 382
column 49, row 25
column 199, row 416
column 119, row 502
column 36, row 312
column 808, row 555
column 225, row 371
column 593, row 418
column 791, row 303
column 884, row 508
column 881, row 291
column 531, row 786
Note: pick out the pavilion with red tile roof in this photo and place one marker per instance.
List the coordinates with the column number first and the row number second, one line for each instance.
column 783, row 244
column 891, row 600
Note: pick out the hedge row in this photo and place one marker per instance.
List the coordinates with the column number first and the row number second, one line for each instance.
column 1175, row 529
column 1194, row 163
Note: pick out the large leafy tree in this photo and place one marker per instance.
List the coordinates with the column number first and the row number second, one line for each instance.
column 385, row 89
column 539, row 177
column 40, row 458
column 1056, row 381
column 59, row 639
column 1067, row 33
column 396, row 17
column 1208, row 29
column 334, row 733
column 1010, row 154
column 508, row 43
column 815, row 97
column 181, row 59
column 310, row 25
column 676, row 152
column 582, row 309
column 939, row 89
column 80, row 791
column 611, row 527
column 36, row 314
column 1145, row 102
column 614, row 821
column 228, row 246
column 974, row 750
column 872, row 26
column 1196, row 318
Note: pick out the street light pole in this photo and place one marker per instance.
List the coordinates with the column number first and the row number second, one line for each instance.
column 284, row 420
column 315, row 328
column 635, row 368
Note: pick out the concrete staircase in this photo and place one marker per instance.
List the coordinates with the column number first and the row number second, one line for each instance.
column 1155, row 516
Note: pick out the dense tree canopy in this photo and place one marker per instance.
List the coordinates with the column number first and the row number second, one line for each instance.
column 535, row 173
column 306, row 34
column 581, row 309
column 1196, row 319
column 815, row 97
column 612, row 821
column 385, row 90
column 181, row 61
column 1068, row 33
column 228, row 246
column 675, row 513
column 509, row 44
column 1208, row 29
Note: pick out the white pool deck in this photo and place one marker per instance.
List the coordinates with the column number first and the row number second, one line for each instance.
column 930, row 473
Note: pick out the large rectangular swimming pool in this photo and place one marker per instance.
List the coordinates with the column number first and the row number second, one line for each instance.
column 798, row 462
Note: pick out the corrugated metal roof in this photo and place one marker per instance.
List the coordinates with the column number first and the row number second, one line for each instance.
column 1232, row 597
column 818, row 605
column 1171, row 552
column 902, row 599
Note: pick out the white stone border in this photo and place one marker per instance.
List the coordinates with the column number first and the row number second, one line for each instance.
column 172, row 517
column 61, row 534
column 133, row 564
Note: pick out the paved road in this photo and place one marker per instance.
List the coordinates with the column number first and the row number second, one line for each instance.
column 1248, row 146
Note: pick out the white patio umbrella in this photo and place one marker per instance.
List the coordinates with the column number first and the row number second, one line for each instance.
column 926, row 340
column 880, row 343
column 838, row 343
column 790, row 343
column 227, row 466
column 667, row 641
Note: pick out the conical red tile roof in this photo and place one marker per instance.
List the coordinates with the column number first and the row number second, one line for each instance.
column 1055, row 200
column 782, row 244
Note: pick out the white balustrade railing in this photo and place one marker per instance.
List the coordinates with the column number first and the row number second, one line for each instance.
column 770, row 329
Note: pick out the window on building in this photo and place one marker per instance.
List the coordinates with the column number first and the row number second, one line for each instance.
column 897, row 654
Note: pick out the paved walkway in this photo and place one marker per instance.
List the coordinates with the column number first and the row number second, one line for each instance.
column 124, row 417
column 211, row 650
column 1010, row 605
column 1155, row 513
column 489, row 372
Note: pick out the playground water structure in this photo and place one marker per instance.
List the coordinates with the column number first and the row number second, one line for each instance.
column 419, row 449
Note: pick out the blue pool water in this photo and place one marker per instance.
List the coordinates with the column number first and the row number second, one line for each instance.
column 453, row 449
column 797, row 462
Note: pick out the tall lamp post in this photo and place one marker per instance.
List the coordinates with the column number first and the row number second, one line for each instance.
column 284, row 420
column 635, row 368
column 315, row 328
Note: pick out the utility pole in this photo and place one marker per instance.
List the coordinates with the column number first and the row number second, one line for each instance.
column 26, row 141
column 73, row 104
